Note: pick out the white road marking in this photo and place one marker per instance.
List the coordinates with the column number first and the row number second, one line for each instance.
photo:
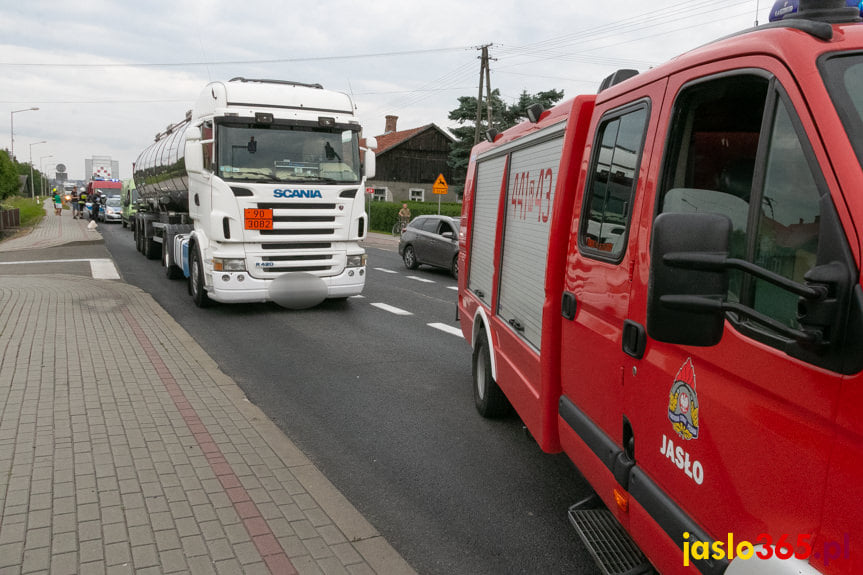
column 454, row 288
column 391, row 309
column 101, row 269
column 419, row 279
column 447, row 328
column 385, row 270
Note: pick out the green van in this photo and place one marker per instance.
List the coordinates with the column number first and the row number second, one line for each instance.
column 130, row 203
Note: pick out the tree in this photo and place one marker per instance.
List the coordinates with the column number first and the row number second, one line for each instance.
column 503, row 117
column 8, row 176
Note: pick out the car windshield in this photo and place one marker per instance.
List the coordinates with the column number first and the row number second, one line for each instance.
column 114, row 202
column 288, row 154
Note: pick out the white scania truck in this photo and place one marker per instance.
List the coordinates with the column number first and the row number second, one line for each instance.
column 257, row 195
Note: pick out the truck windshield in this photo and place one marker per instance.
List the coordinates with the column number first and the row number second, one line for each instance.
column 288, row 154
column 843, row 76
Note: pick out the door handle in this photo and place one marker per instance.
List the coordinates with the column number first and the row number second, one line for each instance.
column 516, row 325
column 634, row 339
column 568, row 305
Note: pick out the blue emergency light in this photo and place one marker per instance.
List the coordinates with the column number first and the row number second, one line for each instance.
column 784, row 8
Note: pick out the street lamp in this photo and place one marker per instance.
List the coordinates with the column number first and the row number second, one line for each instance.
column 32, row 193
column 12, row 129
column 42, row 171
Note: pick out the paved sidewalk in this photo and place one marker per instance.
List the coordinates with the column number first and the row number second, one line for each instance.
column 140, row 455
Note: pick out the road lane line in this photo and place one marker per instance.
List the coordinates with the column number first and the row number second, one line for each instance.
column 419, row 279
column 385, row 270
column 446, row 328
column 391, row 309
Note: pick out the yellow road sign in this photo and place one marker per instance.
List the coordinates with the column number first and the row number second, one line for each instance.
column 440, row 185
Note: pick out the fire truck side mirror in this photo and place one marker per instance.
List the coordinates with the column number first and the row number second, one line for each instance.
column 684, row 302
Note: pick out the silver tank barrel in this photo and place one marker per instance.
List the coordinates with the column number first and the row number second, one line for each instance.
column 160, row 170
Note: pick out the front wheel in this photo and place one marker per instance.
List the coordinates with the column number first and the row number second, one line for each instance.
column 490, row 401
column 410, row 258
column 196, row 279
column 453, row 269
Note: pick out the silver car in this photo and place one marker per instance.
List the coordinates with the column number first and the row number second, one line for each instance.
column 433, row 241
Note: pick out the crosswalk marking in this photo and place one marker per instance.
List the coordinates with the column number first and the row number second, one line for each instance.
column 100, row 268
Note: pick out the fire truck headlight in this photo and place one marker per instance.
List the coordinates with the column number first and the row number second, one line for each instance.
column 357, row 261
column 229, row 265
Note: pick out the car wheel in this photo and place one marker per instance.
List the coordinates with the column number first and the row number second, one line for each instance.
column 453, row 269
column 196, row 279
column 489, row 399
column 410, row 258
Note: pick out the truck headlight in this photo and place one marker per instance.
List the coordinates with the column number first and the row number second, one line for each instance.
column 357, row 261
column 229, row 265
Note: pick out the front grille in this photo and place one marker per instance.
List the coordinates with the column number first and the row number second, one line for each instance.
column 298, row 246
column 309, row 257
column 297, row 206
column 297, row 232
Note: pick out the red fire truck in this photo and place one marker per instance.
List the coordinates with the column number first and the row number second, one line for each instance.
column 664, row 281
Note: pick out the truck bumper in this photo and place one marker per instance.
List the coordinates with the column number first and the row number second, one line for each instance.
column 240, row 287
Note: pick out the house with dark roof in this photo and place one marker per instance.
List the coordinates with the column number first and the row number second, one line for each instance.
column 409, row 163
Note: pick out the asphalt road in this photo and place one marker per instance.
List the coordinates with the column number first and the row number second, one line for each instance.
column 377, row 391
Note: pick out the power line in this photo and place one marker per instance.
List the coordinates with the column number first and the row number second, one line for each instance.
column 231, row 62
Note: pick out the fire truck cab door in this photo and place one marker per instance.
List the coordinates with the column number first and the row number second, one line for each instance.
column 733, row 435
column 598, row 281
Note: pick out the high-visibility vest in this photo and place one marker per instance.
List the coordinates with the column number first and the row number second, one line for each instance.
column 82, row 198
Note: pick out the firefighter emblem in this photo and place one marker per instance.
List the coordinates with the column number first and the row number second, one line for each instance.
column 683, row 402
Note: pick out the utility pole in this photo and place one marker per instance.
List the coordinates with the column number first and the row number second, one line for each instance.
column 484, row 75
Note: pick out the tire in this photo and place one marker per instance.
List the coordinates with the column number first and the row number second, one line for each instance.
column 397, row 229
column 196, row 279
column 453, row 269
column 152, row 248
column 138, row 244
column 410, row 258
column 488, row 398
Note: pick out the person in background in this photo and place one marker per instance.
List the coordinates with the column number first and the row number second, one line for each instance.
column 82, row 200
column 74, row 201
column 94, row 206
column 58, row 203
column 405, row 215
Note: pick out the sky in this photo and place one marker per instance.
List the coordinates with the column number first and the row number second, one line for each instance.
column 108, row 75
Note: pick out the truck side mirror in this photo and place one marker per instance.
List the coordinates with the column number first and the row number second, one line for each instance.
column 679, row 299
column 194, row 156
column 370, row 165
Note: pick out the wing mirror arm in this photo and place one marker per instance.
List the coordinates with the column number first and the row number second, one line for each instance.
column 720, row 262
column 813, row 292
column 694, row 303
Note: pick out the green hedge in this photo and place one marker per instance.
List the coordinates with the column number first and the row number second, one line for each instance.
column 384, row 215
